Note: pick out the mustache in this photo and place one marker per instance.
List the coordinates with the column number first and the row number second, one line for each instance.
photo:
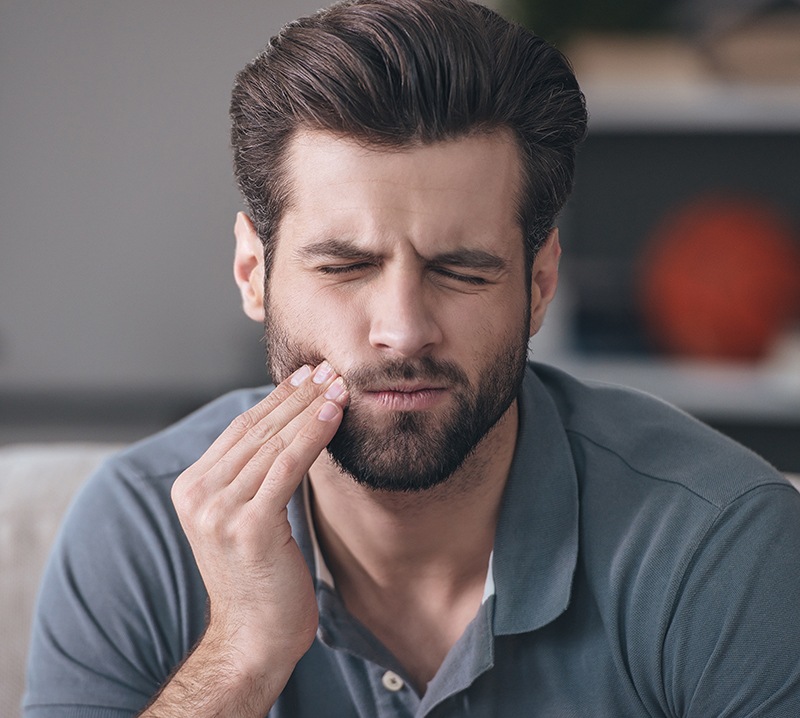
column 421, row 369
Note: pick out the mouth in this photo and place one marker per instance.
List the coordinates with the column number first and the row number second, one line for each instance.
column 406, row 397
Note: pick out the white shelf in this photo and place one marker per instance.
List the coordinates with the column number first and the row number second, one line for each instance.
column 768, row 391
column 638, row 106
column 720, row 391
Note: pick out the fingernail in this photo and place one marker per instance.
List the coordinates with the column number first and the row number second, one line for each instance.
column 328, row 412
column 335, row 390
column 322, row 373
column 300, row 375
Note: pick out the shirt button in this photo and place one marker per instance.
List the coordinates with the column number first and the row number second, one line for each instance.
column 392, row 682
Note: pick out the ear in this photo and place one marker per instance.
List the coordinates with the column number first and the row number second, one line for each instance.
column 544, row 279
column 248, row 267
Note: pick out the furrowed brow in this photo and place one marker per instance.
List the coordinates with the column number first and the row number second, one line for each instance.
column 471, row 259
column 344, row 249
column 334, row 249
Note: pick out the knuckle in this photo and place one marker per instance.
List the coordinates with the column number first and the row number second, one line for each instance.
column 213, row 520
column 186, row 494
column 262, row 431
column 244, row 423
column 273, row 448
column 312, row 431
column 227, row 465
column 286, row 463
column 251, row 425
column 206, row 522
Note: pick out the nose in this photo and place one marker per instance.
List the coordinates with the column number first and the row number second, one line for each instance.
column 402, row 321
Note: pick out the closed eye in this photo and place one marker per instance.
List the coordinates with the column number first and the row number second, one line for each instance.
column 465, row 278
column 356, row 267
column 343, row 268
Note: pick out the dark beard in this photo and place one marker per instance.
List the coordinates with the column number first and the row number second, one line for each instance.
column 416, row 450
column 419, row 450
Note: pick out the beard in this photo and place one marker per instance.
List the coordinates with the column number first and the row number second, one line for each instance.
column 410, row 451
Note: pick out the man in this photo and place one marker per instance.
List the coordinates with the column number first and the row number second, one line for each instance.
column 415, row 521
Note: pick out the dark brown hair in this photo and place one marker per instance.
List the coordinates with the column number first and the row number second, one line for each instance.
column 395, row 73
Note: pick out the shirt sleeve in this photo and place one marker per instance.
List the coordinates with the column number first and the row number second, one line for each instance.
column 120, row 604
column 733, row 645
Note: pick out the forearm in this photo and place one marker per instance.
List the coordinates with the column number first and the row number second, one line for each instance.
column 218, row 680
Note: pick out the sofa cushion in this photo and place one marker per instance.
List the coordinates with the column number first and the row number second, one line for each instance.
column 37, row 482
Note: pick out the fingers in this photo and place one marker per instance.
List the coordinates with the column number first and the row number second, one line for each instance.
column 233, row 469
column 302, row 441
column 242, row 423
column 252, row 429
column 280, row 463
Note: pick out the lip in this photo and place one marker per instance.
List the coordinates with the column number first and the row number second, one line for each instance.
column 406, row 398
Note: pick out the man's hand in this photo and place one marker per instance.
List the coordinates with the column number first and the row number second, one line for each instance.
column 232, row 505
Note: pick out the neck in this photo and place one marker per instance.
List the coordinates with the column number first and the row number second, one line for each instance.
column 412, row 567
column 441, row 535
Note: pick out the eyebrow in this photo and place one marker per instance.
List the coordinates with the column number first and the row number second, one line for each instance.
column 334, row 249
column 345, row 249
column 471, row 259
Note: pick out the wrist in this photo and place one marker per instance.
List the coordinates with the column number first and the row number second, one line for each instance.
column 218, row 678
column 252, row 645
column 248, row 658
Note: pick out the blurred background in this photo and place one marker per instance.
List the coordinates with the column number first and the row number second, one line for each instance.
column 118, row 313
column 681, row 270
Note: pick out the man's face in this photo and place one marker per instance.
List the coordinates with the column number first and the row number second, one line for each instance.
column 405, row 270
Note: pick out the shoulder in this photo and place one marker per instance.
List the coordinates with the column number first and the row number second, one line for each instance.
column 178, row 446
column 646, row 439
column 125, row 506
column 688, row 543
column 121, row 528
column 122, row 601
column 142, row 474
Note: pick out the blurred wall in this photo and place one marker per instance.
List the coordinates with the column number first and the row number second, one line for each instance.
column 116, row 194
column 118, row 310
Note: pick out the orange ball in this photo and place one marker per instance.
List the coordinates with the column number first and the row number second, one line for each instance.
column 720, row 279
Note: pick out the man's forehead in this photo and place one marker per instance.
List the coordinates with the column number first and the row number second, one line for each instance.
column 457, row 185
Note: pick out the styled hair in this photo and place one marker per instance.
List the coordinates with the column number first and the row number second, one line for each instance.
column 401, row 73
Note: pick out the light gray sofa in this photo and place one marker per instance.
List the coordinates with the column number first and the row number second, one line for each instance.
column 37, row 482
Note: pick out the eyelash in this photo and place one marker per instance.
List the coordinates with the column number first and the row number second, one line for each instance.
column 348, row 268
column 343, row 268
column 466, row 278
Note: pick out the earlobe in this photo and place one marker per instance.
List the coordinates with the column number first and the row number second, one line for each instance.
column 248, row 267
column 544, row 279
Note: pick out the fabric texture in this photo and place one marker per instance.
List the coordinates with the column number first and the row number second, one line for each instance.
column 644, row 565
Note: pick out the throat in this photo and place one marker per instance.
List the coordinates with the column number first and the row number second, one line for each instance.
column 419, row 629
column 412, row 567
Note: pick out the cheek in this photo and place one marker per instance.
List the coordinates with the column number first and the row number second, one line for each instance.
column 479, row 338
column 503, row 313
column 336, row 325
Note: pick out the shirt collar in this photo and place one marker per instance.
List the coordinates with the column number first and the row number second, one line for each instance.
column 536, row 543
column 317, row 563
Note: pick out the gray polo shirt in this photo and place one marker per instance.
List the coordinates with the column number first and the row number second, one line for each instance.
column 643, row 565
